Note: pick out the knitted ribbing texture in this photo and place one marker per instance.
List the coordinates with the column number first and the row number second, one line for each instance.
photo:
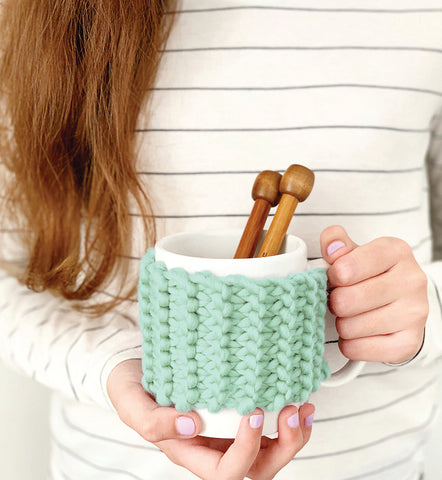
column 231, row 342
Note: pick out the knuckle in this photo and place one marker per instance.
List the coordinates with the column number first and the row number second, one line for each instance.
column 150, row 431
column 344, row 269
column 346, row 347
column 343, row 327
column 402, row 248
column 338, row 302
column 421, row 279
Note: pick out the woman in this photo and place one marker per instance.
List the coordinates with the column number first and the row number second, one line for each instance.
column 97, row 131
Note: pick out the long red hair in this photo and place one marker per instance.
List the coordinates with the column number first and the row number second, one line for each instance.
column 74, row 75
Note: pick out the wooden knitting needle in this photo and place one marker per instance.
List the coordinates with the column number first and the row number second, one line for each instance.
column 295, row 186
column 266, row 194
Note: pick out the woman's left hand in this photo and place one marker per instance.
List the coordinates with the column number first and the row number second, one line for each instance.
column 379, row 297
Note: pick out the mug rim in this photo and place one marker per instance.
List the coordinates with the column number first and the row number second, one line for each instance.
column 162, row 244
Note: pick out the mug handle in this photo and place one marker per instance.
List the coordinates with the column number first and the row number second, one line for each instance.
column 353, row 367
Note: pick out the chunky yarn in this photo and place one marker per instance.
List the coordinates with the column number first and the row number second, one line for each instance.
column 231, row 342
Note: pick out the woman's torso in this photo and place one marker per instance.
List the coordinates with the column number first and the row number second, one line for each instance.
column 349, row 89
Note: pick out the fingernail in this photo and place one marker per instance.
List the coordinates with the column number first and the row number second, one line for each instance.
column 185, row 426
column 293, row 421
column 308, row 422
column 256, row 421
column 335, row 246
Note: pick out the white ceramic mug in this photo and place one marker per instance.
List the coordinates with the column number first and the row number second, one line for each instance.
column 214, row 251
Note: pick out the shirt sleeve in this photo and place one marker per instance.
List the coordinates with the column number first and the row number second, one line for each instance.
column 43, row 337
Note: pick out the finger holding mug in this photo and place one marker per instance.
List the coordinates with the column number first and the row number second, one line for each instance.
column 379, row 317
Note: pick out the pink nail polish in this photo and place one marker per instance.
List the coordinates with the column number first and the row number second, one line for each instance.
column 256, row 421
column 293, row 421
column 308, row 421
column 185, row 426
column 335, row 246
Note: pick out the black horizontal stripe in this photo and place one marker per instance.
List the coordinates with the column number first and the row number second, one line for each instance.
column 283, row 129
column 381, row 373
column 106, row 439
column 108, row 294
column 31, row 349
column 384, row 406
column 34, row 308
column 96, row 346
column 12, row 332
column 385, row 48
column 5, row 305
column 66, row 361
column 323, row 214
column 396, row 463
column 308, row 9
column 126, row 317
column 300, row 87
column 26, row 293
column 376, row 442
column 94, row 465
column 315, row 170
column 129, row 257
column 54, row 340
column 108, row 337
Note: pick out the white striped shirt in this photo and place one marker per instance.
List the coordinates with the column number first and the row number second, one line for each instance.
column 351, row 89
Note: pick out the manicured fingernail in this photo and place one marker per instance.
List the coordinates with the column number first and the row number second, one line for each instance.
column 308, row 421
column 256, row 421
column 335, row 246
column 293, row 421
column 185, row 426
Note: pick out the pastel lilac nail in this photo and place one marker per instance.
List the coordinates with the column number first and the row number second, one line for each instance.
column 293, row 421
column 256, row 421
column 335, row 246
column 185, row 426
column 308, row 421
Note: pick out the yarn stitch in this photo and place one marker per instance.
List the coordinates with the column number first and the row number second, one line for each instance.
column 231, row 342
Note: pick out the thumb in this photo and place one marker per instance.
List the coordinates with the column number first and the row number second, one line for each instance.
column 335, row 243
column 137, row 408
column 154, row 423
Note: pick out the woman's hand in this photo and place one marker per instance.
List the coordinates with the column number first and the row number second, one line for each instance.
column 175, row 433
column 379, row 297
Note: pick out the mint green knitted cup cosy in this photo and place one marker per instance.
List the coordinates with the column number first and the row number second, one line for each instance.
column 231, row 342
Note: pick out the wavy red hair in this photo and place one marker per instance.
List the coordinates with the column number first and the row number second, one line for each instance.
column 74, row 75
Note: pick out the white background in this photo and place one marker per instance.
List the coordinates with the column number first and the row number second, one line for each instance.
column 24, row 435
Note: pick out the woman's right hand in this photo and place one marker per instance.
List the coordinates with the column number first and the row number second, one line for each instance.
column 176, row 434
